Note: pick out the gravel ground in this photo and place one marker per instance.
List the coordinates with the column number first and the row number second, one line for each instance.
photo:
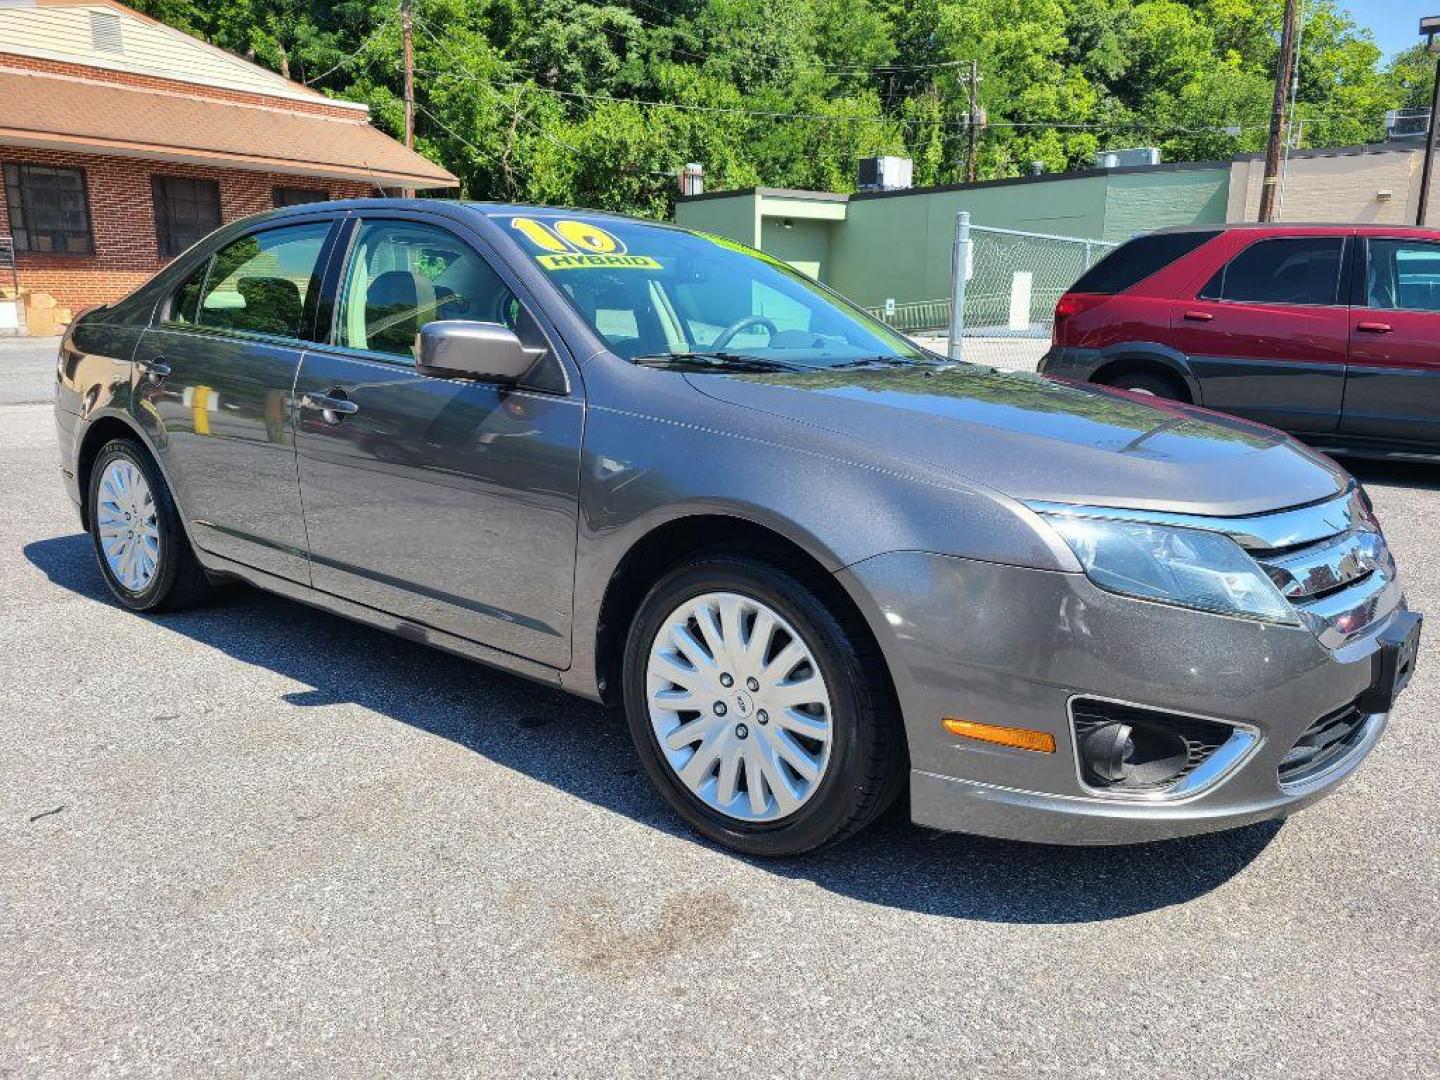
column 256, row 840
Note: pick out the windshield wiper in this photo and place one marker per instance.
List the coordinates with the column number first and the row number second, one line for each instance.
column 729, row 360
column 880, row 361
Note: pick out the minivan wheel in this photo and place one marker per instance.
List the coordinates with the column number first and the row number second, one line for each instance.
column 765, row 721
column 144, row 555
column 1144, row 382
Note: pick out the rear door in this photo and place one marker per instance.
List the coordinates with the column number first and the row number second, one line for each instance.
column 450, row 502
column 1392, row 387
column 1267, row 334
column 218, row 370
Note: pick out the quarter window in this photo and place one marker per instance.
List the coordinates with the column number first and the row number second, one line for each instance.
column 403, row 275
column 185, row 211
column 1291, row 270
column 1135, row 260
column 49, row 210
column 260, row 283
column 1403, row 275
column 184, row 305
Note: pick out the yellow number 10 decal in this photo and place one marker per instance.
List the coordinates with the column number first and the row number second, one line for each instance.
column 569, row 237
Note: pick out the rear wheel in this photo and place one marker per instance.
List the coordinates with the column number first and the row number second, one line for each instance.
column 1150, row 383
column 763, row 719
column 139, row 542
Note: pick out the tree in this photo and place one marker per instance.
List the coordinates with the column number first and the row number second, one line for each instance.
column 601, row 102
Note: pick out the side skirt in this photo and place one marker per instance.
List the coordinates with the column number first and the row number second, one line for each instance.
column 382, row 620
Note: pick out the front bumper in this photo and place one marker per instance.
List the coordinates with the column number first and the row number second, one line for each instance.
column 1012, row 646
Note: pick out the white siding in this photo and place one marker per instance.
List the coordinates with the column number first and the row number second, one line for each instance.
column 64, row 33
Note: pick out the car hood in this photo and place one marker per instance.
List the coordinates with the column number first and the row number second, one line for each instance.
column 1035, row 438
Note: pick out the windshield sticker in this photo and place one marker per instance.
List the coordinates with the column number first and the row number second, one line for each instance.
column 579, row 245
column 577, row 261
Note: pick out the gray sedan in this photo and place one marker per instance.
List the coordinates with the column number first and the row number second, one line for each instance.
column 816, row 565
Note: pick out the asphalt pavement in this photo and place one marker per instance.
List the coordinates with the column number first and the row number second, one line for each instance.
column 258, row 841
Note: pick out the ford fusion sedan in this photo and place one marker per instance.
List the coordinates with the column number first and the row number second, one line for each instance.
column 817, row 566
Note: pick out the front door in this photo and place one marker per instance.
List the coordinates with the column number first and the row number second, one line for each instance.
column 1267, row 335
column 1392, row 388
column 217, row 372
column 449, row 502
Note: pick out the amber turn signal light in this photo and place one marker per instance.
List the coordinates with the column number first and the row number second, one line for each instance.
column 1020, row 738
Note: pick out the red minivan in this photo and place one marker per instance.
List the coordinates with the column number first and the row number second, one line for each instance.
column 1331, row 332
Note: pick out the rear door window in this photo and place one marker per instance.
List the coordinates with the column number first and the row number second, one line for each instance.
column 1301, row 270
column 261, row 283
column 1403, row 275
column 1133, row 262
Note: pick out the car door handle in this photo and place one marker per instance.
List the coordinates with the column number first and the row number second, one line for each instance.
column 1199, row 316
column 1373, row 327
column 155, row 368
column 331, row 407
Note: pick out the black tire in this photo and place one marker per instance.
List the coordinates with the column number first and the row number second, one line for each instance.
column 1148, row 382
column 179, row 581
column 868, row 761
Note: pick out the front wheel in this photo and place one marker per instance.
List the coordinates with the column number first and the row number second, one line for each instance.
column 139, row 540
column 764, row 719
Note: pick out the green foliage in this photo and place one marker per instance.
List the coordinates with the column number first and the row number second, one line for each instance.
column 600, row 102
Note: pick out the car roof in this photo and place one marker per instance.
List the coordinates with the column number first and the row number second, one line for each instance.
column 1307, row 226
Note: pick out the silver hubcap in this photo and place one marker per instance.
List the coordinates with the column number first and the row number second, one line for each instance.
column 739, row 707
column 129, row 530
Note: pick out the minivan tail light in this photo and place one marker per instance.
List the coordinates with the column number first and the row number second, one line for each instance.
column 1070, row 305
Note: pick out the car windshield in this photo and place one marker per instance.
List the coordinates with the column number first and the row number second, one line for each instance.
column 659, row 294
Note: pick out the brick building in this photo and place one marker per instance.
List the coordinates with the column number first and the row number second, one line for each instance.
column 123, row 140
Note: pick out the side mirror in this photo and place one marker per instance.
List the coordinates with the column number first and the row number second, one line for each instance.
column 457, row 348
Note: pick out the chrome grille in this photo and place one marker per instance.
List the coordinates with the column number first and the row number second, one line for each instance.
column 1341, row 577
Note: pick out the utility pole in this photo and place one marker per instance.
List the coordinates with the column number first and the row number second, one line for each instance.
column 972, row 125
column 409, row 74
column 1430, row 28
column 409, row 64
column 1283, row 72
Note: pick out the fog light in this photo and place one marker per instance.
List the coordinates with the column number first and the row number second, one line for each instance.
column 1107, row 750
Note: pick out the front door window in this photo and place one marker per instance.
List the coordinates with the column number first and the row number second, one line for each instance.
column 403, row 275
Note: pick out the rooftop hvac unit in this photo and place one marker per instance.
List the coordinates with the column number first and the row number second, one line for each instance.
column 1124, row 159
column 1402, row 125
column 885, row 173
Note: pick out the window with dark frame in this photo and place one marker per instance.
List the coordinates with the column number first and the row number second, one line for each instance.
column 1294, row 270
column 298, row 196
column 49, row 209
column 185, row 210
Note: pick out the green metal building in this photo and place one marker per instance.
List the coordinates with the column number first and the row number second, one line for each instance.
column 895, row 245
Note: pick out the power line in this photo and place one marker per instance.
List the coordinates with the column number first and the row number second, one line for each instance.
column 516, row 113
column 350, row 58
column 465, row 73
column 899, row 121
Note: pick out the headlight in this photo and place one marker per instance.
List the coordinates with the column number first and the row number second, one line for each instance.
column 1187, row 567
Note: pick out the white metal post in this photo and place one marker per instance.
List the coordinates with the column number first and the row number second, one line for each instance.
column 959, row 270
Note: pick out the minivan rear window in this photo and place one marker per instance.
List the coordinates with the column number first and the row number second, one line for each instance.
column 1133, row 262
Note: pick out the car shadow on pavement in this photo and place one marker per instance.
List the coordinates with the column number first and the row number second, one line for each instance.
column 1419, row 475
column 580, row 748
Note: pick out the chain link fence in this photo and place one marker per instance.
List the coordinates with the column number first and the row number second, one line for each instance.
column 1011, row 283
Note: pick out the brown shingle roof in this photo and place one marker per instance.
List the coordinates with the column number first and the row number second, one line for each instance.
column 57, row 112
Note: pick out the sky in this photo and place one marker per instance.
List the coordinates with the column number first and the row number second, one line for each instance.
column 1395, row 23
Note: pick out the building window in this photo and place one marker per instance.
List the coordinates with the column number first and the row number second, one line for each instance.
column 298, row 196
column 185, row 211
column 48, row 209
